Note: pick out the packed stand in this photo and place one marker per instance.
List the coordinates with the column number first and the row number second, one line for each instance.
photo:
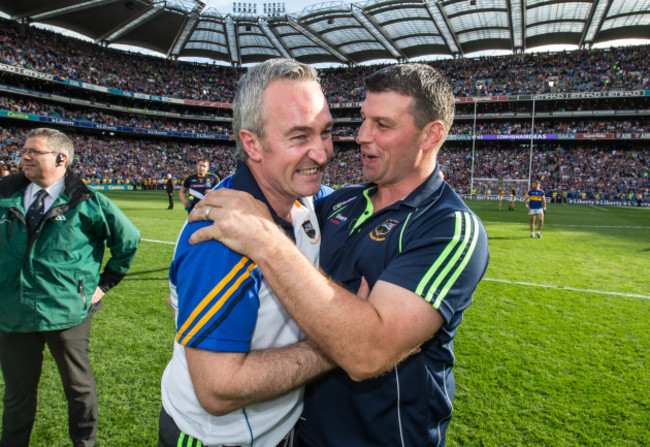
column 40, row 50
column 608, row 172
column 583, row 172
column 622, row 68
column 460, row 127
column 96, row 116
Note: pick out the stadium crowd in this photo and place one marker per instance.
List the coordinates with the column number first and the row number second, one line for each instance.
column 139, row 162
column 583, row 172
column 617, row 68
column 461, row 127
column 97, row 116
column 557, row 126
column 40, row 50
column 588, row 170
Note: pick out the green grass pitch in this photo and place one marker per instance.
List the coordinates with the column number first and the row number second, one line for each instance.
column 554, row 351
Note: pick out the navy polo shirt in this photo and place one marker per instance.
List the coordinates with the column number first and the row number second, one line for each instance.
column 432, row 244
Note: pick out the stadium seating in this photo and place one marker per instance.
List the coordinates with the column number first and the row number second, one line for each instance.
column 147, row 116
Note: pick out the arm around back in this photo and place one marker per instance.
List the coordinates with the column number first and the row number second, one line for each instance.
column 364, row 337
column 227, row 381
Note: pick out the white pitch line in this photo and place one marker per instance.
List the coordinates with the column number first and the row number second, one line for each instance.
column 547, row 286
column 159, row 242
column 600, row 208
column 638, row 227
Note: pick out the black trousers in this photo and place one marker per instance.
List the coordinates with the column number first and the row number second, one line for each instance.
column 170, row 196
column 21, row 360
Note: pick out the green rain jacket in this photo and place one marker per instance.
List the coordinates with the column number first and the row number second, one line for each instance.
column 47, row 280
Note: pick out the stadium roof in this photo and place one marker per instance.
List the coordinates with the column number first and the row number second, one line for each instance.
column 337, row 32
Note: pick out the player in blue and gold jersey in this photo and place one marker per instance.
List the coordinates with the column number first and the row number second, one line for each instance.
column 240, row 362
column 536, row 206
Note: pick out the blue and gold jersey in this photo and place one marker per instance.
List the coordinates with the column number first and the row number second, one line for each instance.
column 224, row 305
column 535, row 199
column 220, row 292
column 220, row 314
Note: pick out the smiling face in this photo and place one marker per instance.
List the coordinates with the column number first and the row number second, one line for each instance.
column 389, row 138
column 291, row 159
column 39, row 162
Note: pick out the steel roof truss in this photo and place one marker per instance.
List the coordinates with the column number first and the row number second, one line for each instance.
column 516, row 25
column 134, row 23
column 233, row 41
column 441, row 20
column 268, row 32
column 184, row 35
column 376, row 30
column 319, row 40
column 73, row 8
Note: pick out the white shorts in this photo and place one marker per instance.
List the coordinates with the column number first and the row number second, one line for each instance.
column 532, row 212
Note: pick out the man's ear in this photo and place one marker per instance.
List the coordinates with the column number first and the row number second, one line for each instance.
column 433, row 135
column 252, row 144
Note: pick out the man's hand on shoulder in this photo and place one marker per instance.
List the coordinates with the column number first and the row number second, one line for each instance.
column 241, row 222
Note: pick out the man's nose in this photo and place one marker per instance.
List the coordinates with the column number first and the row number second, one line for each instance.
column 363, row 136
column 319, row 152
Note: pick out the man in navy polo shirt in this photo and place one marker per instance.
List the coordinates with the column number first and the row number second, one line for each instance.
column 407, row 234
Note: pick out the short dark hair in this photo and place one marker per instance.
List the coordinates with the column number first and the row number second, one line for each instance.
column 433, row 98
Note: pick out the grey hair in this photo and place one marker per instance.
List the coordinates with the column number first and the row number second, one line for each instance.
column 433, row 98
column 57, row 141
column 248, row 111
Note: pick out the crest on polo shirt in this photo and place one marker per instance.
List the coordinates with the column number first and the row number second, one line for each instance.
column 309, row 229
column 380, row 232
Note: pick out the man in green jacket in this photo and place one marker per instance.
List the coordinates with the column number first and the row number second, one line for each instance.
column 53, row 232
